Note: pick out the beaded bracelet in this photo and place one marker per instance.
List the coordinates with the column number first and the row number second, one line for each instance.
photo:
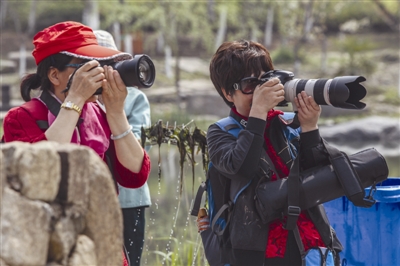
column 121, row 135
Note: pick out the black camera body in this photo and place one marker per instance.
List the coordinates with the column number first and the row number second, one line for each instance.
column 342, row 92
column 137, row 72
column 282, row 75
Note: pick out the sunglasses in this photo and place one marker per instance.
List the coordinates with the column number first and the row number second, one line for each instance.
column 75, row 65
column 247, row 85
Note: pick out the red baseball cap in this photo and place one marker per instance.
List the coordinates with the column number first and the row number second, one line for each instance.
column 73, row 39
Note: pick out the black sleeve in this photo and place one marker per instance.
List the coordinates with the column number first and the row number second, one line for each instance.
column 312, row 151
column 237, row 158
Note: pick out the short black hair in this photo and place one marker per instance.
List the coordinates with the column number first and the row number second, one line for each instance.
column 236, row 60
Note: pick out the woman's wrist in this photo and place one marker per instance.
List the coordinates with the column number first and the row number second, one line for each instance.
column 305, row 129
column 75, row 100
column 123, row 134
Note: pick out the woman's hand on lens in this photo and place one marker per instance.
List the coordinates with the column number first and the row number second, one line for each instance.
column 268, row 95
column 86, row 80
column 114, row 90
column 308, row 111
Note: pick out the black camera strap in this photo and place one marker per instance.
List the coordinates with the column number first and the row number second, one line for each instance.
column 347, row 176
column 53, row 105
column 293, row 187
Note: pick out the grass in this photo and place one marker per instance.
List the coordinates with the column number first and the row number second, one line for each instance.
column 171, row 232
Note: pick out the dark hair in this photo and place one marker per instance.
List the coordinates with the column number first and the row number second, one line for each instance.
column 236, row 60
column 40, row 79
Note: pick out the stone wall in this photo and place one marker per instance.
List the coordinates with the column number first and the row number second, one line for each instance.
column 58, row 207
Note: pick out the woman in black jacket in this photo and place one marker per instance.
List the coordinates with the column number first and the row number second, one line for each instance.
column 264, row 137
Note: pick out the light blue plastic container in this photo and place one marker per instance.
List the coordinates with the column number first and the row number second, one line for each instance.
column 370, row 236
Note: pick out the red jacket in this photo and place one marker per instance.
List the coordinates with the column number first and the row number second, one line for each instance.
column 20, row 124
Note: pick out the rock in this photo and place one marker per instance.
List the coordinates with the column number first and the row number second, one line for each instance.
column 25, row 230
column 382, row 133
column 41, row 219
column 103, row 219
column 62, row 240
column 74, row 187
column 84, row 253
column 35, row 172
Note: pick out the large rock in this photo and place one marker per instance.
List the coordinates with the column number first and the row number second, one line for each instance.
column 103, row 219
column 59, row 206
column 33, row 170
column 84, row 253
column 25, row 229
column 381, row 132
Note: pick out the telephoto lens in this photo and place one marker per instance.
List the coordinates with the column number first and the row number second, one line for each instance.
column 137, row 72
column 342, row 92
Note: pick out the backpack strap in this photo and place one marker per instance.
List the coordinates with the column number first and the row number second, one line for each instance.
column 53, row 106
column 196, row 205
column 38, row 111
column 230, row 125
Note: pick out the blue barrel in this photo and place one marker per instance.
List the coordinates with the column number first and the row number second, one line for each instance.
column 370, row 236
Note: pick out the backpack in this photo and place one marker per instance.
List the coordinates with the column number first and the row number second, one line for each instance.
column 218, row 202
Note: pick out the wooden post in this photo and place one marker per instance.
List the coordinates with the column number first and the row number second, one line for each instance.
column 5, row 97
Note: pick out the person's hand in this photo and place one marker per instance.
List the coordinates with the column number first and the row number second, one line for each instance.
column 267, row 96
column 114, row 90
column 86, row 80
column 203, row 221
column 308, row 111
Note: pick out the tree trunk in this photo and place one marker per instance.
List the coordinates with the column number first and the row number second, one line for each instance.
column 168, row 59
column 22, row 48
column 128, row 47
column 253, row 36
column 211, row 10
column 32, row 18
column 3, row 12
column 307, row 26
column 324, row 53
column 222, row 27
column 387, row 17
column 177, row 77
column 160, row 42
column 91, row 16
column 269, row 27
column 116, row 31
column 22, row 58
column 308, row 21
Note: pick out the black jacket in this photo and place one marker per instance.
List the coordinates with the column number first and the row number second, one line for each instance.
column 242, row 161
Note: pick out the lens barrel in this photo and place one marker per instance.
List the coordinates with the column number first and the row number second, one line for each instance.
column 342, row 92
column 137, row 72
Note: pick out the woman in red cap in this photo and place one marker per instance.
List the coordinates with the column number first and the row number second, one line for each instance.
column 67, row 101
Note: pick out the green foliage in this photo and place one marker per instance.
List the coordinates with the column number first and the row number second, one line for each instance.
column 186, row 139
column 343, row 11
column 282, row 55
column 47, row 13
column 392, row 97
column 181, row 254
column 356, row 62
